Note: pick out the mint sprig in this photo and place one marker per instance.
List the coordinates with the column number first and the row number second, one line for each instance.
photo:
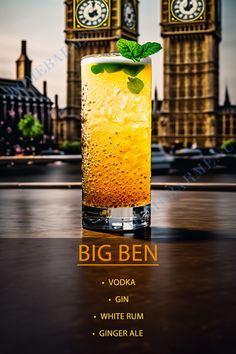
column 134, row 51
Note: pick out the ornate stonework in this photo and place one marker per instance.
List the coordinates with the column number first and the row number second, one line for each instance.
column 121, row 21
column 191, row 72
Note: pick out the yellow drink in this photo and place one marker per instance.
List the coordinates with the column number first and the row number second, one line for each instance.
column 116, row 132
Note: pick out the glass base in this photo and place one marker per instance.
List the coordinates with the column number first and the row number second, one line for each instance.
column 116, row 219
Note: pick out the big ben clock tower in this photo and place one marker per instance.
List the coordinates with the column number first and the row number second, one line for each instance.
column 92, row 27
column 191, row 31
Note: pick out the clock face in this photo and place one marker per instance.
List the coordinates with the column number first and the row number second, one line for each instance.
column 187, row 10
column 92, row 13
column 129, row 15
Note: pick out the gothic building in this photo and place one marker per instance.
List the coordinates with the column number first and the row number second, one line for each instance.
column 191, row 114
column 226, row 125
column 191, row 29
column 19, row 97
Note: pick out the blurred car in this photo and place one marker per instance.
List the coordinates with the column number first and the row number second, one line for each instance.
column 229, row 161
column 211, row 153
column 161, row 161
column 51, row 152
column 185, row 159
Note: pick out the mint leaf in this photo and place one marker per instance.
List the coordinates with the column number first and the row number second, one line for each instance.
column 97, row 69
column 131, row 69
column 150, row 48
column 137, row 52
column 135, row 85
column 129, row 49
column 134, row 51
column 112, row 67
column 124, row 48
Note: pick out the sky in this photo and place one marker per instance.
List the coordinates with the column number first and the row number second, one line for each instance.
column 41, row 23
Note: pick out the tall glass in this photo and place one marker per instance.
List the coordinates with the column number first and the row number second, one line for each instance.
column 116, row 143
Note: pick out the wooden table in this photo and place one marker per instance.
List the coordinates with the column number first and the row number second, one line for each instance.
column 48, row 303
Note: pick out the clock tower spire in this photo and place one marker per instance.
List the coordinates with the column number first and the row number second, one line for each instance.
column 191, row 31
column 92, row 27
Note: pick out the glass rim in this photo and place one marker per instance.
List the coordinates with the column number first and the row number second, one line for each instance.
column 111, row 57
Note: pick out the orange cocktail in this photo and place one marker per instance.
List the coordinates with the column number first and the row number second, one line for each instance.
column 116, row 139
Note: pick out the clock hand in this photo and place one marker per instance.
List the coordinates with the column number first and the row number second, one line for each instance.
column 92, row 14
column 189, row 5
column 129, row 13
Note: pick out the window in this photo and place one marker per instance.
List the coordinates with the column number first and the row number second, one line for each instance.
column 234, row 126
column 172, row 128
column 156, row 149
column 190, row 105
column 181, row 91
column 227, row 125
column 61, row 131
column 172, row 93
column 190, row 129
column 199, row 91
column 219, row 126
column 155, row 128
column 181, row 126
column 190, row 91
column 199, row 128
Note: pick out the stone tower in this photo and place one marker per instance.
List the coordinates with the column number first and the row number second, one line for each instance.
column 23, row 64
column 191, row 31
column 92, row 27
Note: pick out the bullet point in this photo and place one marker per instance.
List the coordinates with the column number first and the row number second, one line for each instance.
column 109, row 300
column 93, row 334
column 103, row 283
column 94, row 316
